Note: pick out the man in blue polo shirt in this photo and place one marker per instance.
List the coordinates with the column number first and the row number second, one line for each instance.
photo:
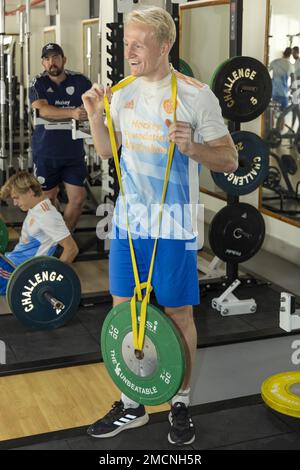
column 56, row 94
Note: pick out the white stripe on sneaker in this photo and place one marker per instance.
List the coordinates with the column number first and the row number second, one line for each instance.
column 124, row 420
column 118, row 423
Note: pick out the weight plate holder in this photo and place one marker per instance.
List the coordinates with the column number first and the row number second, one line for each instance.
column 281, row 392
column 28, row 284
column 154, row 375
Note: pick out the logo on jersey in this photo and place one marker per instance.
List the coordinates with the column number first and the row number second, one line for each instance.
column 50, row 90
column 168, row 106
column 129, row 104
column 41, row 179
column 70, row 90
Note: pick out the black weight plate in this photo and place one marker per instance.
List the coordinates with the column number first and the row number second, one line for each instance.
column 28, row 283
column 273, row 178
column 253, row 165
column 237, row 232
column 244, row 87
column 289, row 164
column 297, row 142
column 274, row 138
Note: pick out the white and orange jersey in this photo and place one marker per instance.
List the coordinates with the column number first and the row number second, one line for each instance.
column 42, row 229
column 139, row 111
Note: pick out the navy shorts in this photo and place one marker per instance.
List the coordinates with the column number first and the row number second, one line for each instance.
column 51, row 172
column 5, row 272
column 175, row 275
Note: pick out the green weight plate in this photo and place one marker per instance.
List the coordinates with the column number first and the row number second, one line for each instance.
column 157, row 376
column 185, row 68
column 216, row 73
column 3, row 236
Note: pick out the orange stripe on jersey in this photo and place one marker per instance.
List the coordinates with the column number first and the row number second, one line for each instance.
column 190, row 80
column 45, row 206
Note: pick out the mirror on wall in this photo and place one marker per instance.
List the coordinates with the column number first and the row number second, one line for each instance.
column 205, row 24
column 280, row 194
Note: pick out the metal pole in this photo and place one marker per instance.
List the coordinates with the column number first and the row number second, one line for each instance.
column 99, row 41
column 10, row 105
column 235, row 48
column 3, row 157
column 22, row 95
column 27, row 40
column 3, row 161
column 89, row 51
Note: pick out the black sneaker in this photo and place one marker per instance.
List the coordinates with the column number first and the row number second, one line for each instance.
column 118, row 419
column 182, row 428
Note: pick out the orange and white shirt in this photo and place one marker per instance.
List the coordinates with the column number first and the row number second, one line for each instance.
column 139, row 111
column 42, row 229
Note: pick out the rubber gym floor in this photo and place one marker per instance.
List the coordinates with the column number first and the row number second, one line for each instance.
column 54, row 383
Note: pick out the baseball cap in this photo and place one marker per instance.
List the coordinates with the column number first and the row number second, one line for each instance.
column 52, row 48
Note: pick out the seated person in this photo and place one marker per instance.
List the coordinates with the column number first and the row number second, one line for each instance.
column 43, row 228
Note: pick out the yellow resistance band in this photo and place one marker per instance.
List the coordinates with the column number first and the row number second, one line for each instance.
column 139, row 333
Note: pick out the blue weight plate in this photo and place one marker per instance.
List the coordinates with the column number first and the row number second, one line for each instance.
column 29, row 282
column 253, row 166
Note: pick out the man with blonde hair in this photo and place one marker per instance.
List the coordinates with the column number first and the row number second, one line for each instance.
column 43, row 228
column 142, row 112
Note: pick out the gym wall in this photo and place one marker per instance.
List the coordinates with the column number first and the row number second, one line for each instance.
column 282, row 238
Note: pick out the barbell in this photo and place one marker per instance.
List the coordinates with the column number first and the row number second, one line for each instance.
column 43, row 292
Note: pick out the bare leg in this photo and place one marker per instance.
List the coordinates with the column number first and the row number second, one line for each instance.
column 184, row 321
column 119, row 300
column 52, row 195
column 76, row 197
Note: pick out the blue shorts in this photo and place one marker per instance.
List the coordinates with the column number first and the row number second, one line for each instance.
column 175, row 276
column 5, row 272
column 52, row 172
